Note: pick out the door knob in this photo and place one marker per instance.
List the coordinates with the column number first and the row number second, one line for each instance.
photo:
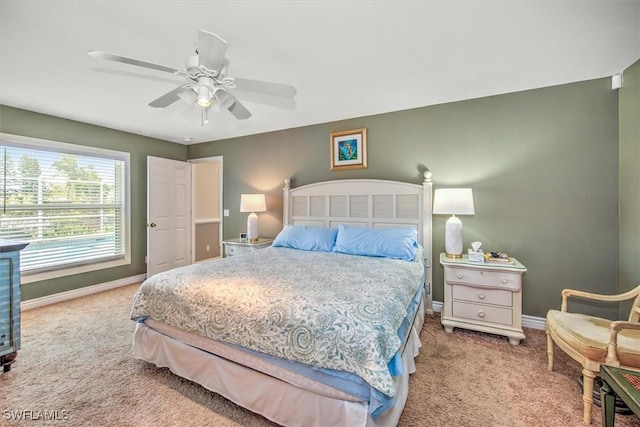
column 153, row 224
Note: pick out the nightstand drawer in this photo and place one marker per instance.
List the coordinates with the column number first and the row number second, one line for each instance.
column 477, row 277
column 485, row 296
column 231, row 250
column 481, row 313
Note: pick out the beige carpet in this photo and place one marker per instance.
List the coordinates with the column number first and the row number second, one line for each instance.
column 76, row 365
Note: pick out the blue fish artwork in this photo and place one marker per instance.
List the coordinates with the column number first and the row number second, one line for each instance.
column 348, row 149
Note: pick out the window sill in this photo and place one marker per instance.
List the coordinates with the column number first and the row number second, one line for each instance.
column 47, row 275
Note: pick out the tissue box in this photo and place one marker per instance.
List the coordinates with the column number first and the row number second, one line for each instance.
column 476, row 257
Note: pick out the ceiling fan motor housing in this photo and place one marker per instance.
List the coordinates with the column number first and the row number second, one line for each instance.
column 192, row 63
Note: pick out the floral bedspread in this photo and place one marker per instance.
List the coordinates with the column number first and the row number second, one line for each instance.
column 328, row 310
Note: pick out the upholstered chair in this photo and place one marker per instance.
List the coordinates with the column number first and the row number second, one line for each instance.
column 593, row 341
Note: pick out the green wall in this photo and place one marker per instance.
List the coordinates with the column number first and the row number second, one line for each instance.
column 26, row 123
column 543, row 165
column 629, row 269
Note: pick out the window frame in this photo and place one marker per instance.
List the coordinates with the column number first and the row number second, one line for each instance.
column 10, row 140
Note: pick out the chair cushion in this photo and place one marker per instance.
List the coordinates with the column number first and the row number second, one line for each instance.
column 590, row 336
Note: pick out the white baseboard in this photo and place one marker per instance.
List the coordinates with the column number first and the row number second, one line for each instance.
column 76, row 293
column 527, row 321
column 532, row 322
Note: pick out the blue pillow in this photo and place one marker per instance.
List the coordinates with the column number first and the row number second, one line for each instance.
column 306, row 238
column 396, row 243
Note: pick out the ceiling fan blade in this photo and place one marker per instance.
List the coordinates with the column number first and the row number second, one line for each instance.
column 238, row 110
column 211, row 50
column 273, row 89
column 140, row 75
column 169, row 97
column 264, row 99
column 117, row 58
column 188, row 96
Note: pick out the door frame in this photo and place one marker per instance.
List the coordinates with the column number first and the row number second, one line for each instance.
column 218, row 159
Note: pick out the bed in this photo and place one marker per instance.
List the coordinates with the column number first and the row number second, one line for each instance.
column 311, row 331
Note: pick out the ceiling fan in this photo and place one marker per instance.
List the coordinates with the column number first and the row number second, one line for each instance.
column 207, row 81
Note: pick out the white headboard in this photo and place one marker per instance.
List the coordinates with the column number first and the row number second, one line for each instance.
column 370, row 203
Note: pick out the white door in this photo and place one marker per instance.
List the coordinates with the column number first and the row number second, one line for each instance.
column 168, row 214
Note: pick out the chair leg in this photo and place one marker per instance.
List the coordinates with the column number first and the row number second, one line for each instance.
column 549, row 352
column 588, row 378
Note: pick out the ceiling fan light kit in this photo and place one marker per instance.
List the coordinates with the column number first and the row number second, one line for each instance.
column 204, row 99
column 207, row 79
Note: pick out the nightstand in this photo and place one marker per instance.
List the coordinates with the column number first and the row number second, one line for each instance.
column 236, row 247
column 483, row 297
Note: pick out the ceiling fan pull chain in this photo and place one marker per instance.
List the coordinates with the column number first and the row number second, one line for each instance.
column 204, row 116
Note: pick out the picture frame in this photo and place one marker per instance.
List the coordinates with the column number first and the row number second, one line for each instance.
column 243, row 238
column 348, row 149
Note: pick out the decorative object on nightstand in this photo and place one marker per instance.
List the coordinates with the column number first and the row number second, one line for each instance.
column 252, row 203
column 239, row 246
column 497, row 257
column 483, row 297
column 453, row 201
column 475, row 254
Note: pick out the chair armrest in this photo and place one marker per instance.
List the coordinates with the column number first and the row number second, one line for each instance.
column 621, row 324
column 566, row 293
column 612, row 350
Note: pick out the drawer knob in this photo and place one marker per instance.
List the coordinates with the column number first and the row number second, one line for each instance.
column 459, row 275
column 504, row 280
column 481, row 314
column 481, row 295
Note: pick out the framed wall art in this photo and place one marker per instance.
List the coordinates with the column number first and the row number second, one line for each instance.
column 348, row 149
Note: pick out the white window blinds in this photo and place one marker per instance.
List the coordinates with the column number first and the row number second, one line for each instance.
column 67, row 203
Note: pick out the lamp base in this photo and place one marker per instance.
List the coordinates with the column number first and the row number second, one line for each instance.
column 453, row 237
column 252, row 228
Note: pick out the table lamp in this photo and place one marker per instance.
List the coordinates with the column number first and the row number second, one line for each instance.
column 453, row 201
column 252, row 203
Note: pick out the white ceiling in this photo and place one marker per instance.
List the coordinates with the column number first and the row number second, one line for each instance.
column 346, row 58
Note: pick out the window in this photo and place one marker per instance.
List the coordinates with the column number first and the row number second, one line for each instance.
column 69, row 202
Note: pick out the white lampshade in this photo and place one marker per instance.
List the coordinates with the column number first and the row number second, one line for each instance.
column 453, row 201
column 252, row 203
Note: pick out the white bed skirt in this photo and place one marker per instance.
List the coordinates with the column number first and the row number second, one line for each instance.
column 277, row 400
